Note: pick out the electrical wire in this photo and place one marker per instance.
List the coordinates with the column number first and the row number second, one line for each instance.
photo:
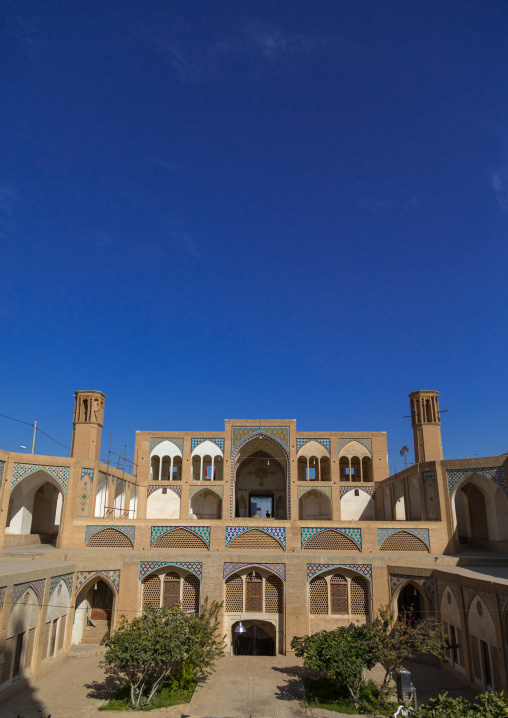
column 18, row 420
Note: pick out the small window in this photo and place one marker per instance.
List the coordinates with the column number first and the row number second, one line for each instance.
column 357, row 492
column 311, row 474
column 59, row 592
column 165, row 490
column 208, row 472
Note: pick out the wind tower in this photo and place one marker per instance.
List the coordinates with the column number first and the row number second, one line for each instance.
column 426, row 423
column 87, row 425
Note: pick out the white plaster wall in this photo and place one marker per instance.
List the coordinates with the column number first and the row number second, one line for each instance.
column 357, row 508
column 163, row 506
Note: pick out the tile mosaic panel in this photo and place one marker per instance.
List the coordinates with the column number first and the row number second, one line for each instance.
column 343, row 490
column 301, row 442
column 85, row 492
column 129, row 531
column 502, row 602
column 426, row 581
column 301, row 490
column 469, row 593
column 55, row 580
column 156, row 440
column 233, row 531
column 20, row 588
column 365, row 442
column 89, row 472
column 314, row 568
column 2, row 469
column 163, row 485
column 430, row 492
column 202, row 531
column 84, row 576
column 441, row 585
column 281, row 433
column 279, row 569
column 218, row 489
column 495, row 473
column 422, row 534
column 307, row 533
column 146, row 567
column 213, row 439
column 2, row 596
column 60, row 473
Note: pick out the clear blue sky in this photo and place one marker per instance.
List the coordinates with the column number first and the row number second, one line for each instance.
column 254, row 209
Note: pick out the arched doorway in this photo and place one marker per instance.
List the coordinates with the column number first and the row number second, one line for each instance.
column 258, row 639
column 260, row 479
column 93, row 612
column 480, row 510
column 413, row 602
column 35, row 509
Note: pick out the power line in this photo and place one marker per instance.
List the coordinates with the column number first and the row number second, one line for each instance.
column 18, row 420
column 50, row 437
column 38, row 429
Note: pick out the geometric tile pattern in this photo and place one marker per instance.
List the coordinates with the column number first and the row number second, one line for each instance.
column 355, row 534
column 20, row 588
column 201, row 531
column 367, row 489
column 278, row 533
column 365, row 442
column 277, row 568
column 175, row 489
column 301, row 490
column 55, row 580
column 426, row 581
column 495, row 473
column 159, row 439
column 429, row 489
column 129, row 531
column 214, row 440
column 441, row 585
column 87, row 471
column 84, row 576
column 218, row 490
column 422, row 534
column 85, row 490
column 60, row 473
column 314, row 568
column 281, row 433
column 2, row 596
column 301, row 442
column 2, row 467
column 146, row 567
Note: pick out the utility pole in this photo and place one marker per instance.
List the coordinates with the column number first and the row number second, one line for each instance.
column 33, row 437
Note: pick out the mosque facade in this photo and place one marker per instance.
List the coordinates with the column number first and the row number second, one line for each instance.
column 294, row 532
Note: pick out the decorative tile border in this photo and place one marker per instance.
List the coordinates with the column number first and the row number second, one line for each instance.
column 301, row 490
column 430, row 493
column 2, row 467
column 280, row 433
column 20, row 588
column 302, row 442
column 156, row 440
column 426, row 581
column 314, row 568
column 89, row 472
column 85, row 491
column 201, row 531
column 277, row 532
column 495, row 473
column 84, row 576
column 60, row 473
column 2, row 596
column 209, row 485
column 214, row 439
column 161, row 485
column 129, row 531
column 365, row 442
column 343, row 490
column 146, row 567
column 309, row 532
column 279, row 569
column 55, row 580
column 423, row 534
column 441, row 585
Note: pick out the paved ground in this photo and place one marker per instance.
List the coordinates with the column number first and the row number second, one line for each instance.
column 241, row 687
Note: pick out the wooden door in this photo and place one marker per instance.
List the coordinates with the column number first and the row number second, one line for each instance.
column 171, row 595
column 17, row 654
column 338, row 591
column 254, row 595
column 53, row 638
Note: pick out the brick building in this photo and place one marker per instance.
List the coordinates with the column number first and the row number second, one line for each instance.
column 294, row 531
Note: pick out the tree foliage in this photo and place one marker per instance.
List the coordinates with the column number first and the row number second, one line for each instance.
column 487, row 705
column 163, row 645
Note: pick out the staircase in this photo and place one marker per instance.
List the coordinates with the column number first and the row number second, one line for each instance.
column 93, row 635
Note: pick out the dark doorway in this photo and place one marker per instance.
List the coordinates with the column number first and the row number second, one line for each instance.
column 102, row 601
column 254, row 642
column 261, row 505
column 410, row 601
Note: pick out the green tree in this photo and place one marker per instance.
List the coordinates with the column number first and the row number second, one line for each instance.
column 341, row 654
column 486, row 705
column 163, row 645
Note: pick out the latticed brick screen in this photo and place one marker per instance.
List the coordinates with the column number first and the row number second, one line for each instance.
column 403, row 541
column 8, row 655
column 234, row 594
column 273, row 595
column 190, row 593
column 29, row 648
column 152, row 591
column 318, row 596
column 180, row 538
column 359, row 596
column 61, row 635
column 255, row 539
column 109, row 538
column 475, row 655
column 330, row 541
column 45, row 640
column 338, row 593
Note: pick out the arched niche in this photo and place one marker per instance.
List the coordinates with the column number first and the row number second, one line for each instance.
column 411, row 598
column 484, row 648
column 166, row 462
column 207, row 462
column 351, row 462
column 260, row 468
column 480, row 512
column 20, row 637
column 357, row 505
column 315, row 505
column 35, row 507
column 94, row 610
column 56, row 624
column 415, row 506
column 163, row 503
column 169, row 586
column 205, row 504
column 313, row 462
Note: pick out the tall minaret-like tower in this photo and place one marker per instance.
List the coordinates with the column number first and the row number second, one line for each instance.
column 426, row 422
column 87, row 425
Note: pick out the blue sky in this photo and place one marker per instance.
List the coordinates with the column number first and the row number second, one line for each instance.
column 216, row 210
